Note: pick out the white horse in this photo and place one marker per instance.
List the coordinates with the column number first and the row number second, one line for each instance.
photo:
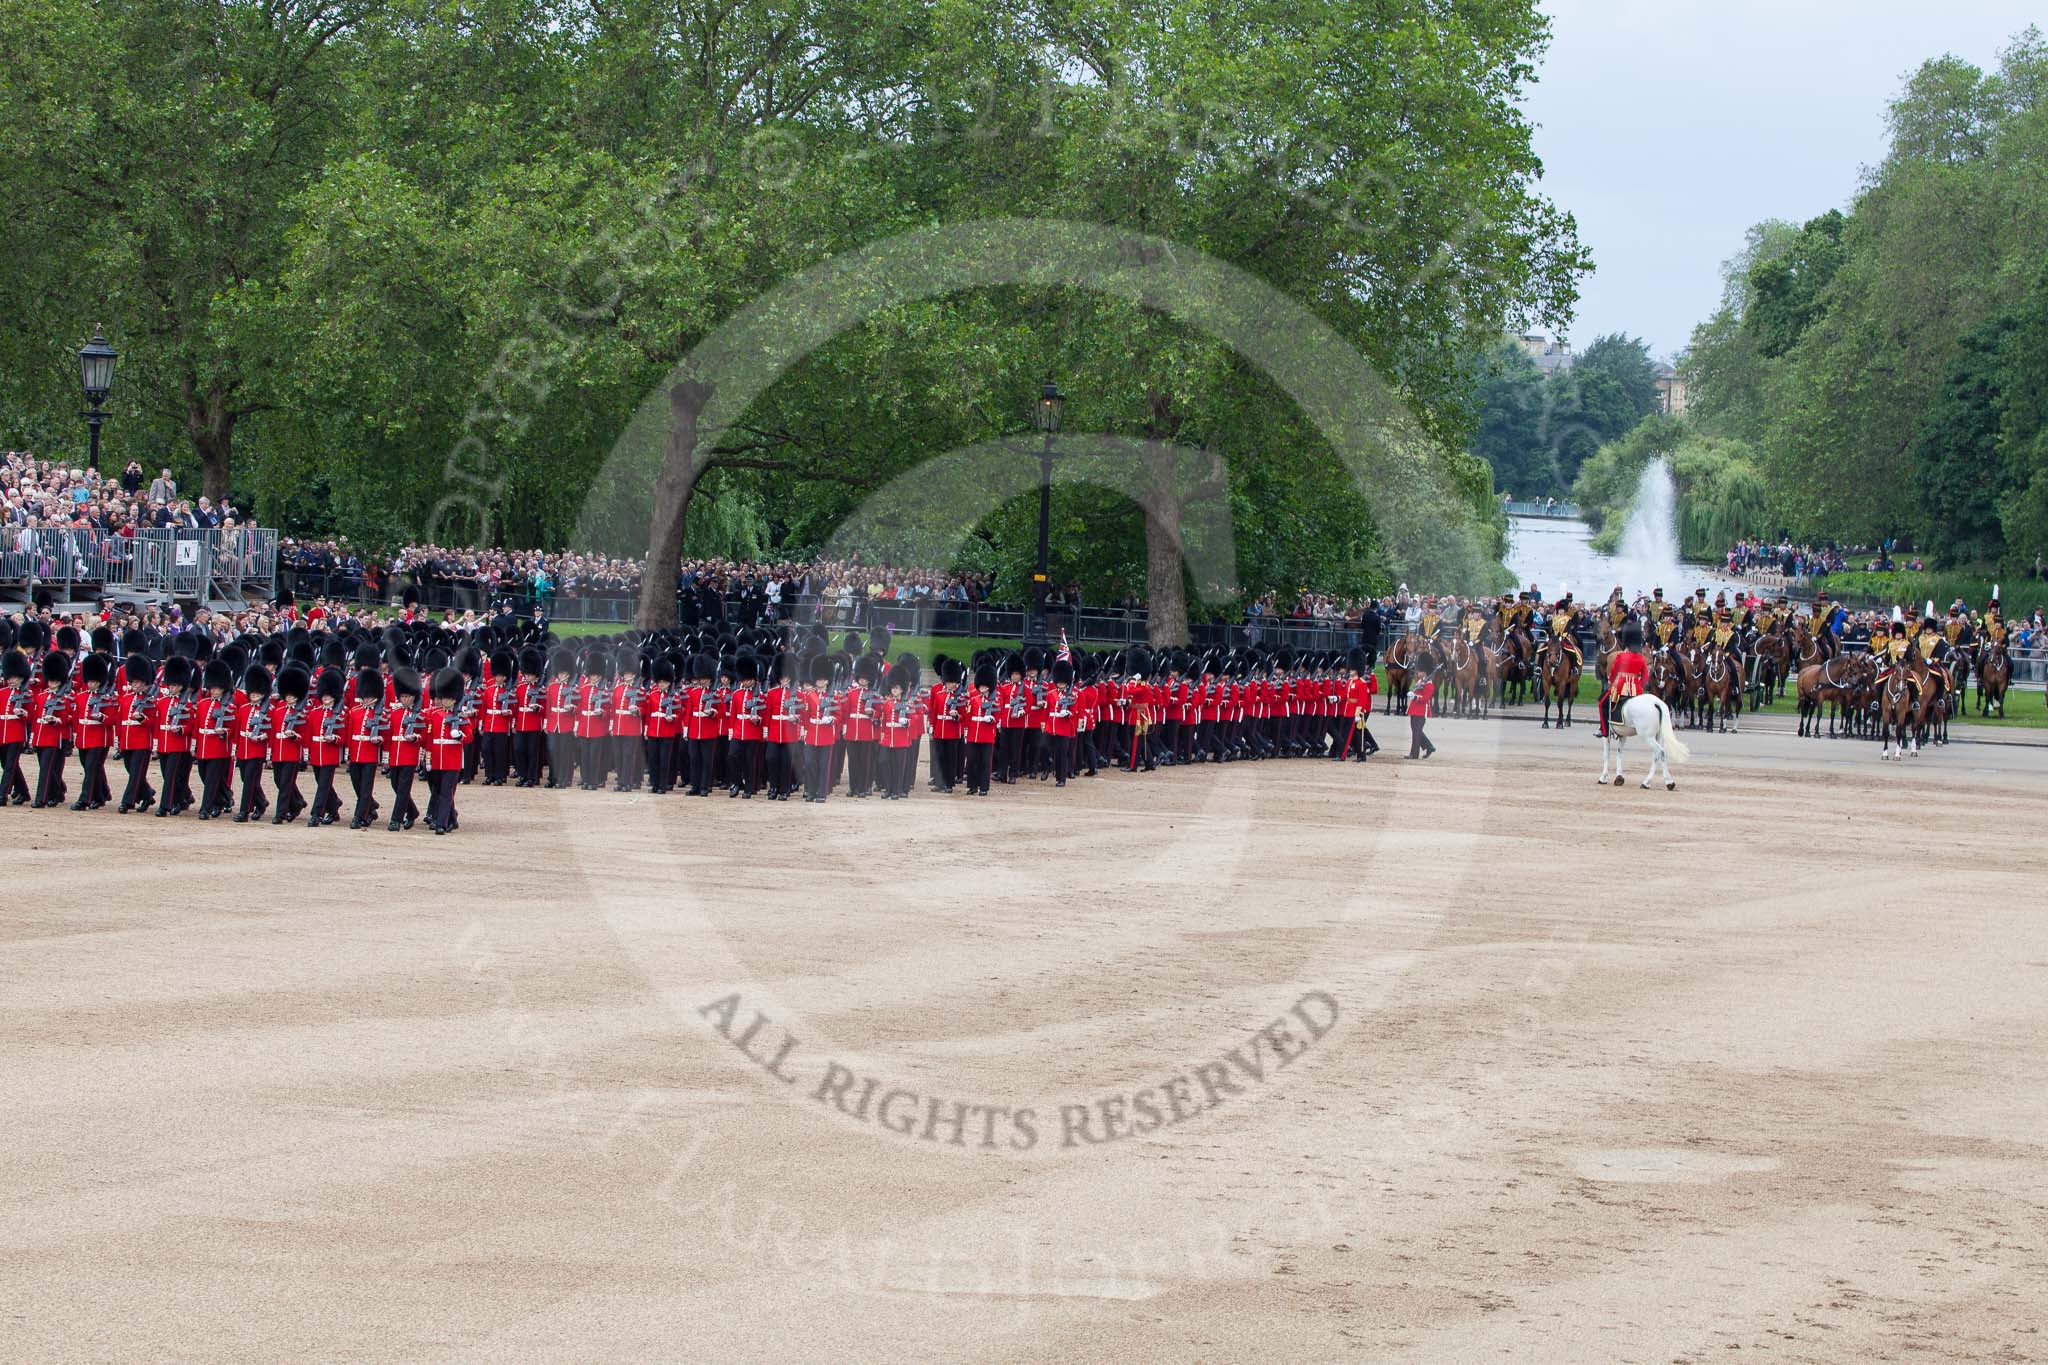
column 1649, row 717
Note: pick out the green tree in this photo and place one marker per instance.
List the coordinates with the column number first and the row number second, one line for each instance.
column 1959, row 470
column 1786, row 290
column 1508, row 424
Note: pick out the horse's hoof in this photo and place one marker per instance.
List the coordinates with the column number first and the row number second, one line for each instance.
column 1671, row 786
column 1646, row 784
column 1619, row 779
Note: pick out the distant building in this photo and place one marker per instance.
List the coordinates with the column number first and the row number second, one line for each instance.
column 1671, row 391
column 1550, row 356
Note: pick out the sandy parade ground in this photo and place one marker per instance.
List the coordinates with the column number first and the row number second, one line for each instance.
column 1459, row 1060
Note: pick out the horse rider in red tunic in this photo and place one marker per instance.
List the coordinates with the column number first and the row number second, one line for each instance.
column 1628, row 673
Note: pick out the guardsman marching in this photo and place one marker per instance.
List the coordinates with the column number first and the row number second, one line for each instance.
column 14, row 721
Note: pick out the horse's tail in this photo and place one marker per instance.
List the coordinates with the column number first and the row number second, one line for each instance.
column 1674, row 747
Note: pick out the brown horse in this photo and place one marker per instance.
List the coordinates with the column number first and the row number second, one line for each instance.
column 1665, row 682
column 1407, row 659
column 1770, row 657
column 1460, row 679
column 1832, row 684
column 1514, row 668
column 1994, row 675
column 1558, row 680
column 1898, row 704
column 1721, row 690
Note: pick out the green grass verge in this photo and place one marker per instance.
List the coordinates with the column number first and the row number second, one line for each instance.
column 2017, row 597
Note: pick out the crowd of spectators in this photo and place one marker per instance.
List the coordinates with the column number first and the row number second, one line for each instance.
column 1784, row 557
column 39, row 495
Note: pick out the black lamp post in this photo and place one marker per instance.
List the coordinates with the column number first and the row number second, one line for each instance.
column 96, row 371
column 1045, row 414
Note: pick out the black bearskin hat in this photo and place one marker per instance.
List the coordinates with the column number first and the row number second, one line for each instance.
column 746, row 668
column 1062, row 673
column 103, row 639
column 449, row 685
column 410, row 597
column 1013, row 667
column 532, row 660
column 177, row 672
column 256, row 682
column 818, row 669
column 985, row 678
column 369, row 686
column 501, row 664
column 67, row 639
column 139, row 669
column 56, row 666
column 14, row 666
column 664, row 670
column 867, row 671
column 95, row 670
column 903, row 677
column 1631, row 636
column 218, row 677
column 329, row 685
column 33, row 636
column 405, row 682
column 293, row 683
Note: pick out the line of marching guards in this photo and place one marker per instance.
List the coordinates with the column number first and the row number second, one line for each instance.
column 230, row 730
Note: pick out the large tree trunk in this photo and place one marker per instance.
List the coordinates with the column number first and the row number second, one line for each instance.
column 211, row 424
column 673, row 489
column 1166, row 598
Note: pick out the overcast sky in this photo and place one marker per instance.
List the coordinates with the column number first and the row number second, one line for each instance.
column 1669, row 127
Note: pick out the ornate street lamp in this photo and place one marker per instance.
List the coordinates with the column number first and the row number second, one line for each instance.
column 1045, row 415
column 96, row 372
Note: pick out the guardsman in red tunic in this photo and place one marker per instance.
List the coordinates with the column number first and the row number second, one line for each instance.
column 783, row 720
column 629, row 751
column 661, row 722
column 820, row 728
column 133, row 731
column 325, row 728
column 445, row 735
column 560, row 714
column 49, row 715
column 253, row 720
column 744, row 724
column 403, row 735
column 1060, row 721
column 495, row 702
column 1418, row 712
column 213, row 731
column 857, row 732
column 172, row 732
column 1012, row 702
column 1037, row 735
column 1358, row 700
column 702, row 704
column 979, row 730
column 287, row 747
column 92, row 727
column 14, row 718
column 366, row 727
column 529, row 717
column 1139, row 721
column 943, row 704
column 593, row 726
column 896, row 720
